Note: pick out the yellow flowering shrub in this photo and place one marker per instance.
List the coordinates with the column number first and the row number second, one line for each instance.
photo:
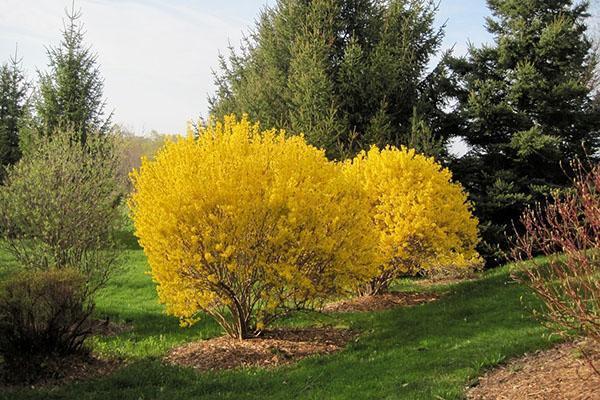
column 421, row 218
column 244, row 225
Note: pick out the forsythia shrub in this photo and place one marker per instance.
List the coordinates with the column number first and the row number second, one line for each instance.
column 246, row 225
column 421, row 218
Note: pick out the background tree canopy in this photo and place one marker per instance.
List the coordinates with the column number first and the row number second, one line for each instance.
column 71, row 93
column 352, row 73
column 14, row 109
column 347, row 74
column 526, row 107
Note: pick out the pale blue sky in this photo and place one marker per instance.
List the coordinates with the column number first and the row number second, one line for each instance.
column 156, row 56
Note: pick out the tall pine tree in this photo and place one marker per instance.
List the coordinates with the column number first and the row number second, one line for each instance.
column 71, row 93
column 14, row 108
column 527, row 108
column 346, row 73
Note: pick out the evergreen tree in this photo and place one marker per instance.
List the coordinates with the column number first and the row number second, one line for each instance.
column 421, row 137
column 71, row 93
column 527, row 108
column 14, row 108
column 346, row 73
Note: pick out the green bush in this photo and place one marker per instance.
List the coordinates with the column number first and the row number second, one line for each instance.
column 59, row 206
column 43, row 314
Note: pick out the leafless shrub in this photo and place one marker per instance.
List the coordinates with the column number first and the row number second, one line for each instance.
column 567, row 231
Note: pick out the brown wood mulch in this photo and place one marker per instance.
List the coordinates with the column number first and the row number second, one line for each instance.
column 555, row 374
column 272, row 348
column 380, row 302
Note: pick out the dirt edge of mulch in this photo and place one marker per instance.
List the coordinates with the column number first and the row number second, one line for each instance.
column 558, row 373
column 380, row 302
column 273, row 348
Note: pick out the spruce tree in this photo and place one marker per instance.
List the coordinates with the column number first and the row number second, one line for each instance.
column 346, row 73
column 526, row 102
column 71, row 92
column 14, row 108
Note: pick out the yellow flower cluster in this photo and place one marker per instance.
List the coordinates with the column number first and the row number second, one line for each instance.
column 421, row 218
column 245, row 224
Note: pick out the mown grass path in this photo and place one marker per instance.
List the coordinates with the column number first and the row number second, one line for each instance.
column 430, row 351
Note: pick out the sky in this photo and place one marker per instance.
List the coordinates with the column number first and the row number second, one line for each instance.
column 156, row 56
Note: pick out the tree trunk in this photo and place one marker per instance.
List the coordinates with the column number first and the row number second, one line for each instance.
column 376, row 286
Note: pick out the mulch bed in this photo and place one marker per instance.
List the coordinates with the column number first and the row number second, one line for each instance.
column 380, row 302
column 272, row 348
column 545, row 375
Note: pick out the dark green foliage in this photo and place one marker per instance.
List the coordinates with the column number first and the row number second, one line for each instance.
column 43, row 314
column 14, row 108
column 422, row 139
column 347, row 73
column 70, row 94
column 527, row 109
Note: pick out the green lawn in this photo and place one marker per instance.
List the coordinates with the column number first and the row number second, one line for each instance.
column 431, row 351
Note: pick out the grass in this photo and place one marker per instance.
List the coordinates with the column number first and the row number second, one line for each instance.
column 430, row 351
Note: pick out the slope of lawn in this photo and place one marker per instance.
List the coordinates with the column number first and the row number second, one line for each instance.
column 430, row 351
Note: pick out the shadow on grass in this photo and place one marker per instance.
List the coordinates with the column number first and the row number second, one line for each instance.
column 127, row 240
column 417, row 352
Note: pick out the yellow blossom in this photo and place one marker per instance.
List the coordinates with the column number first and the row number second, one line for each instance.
column 420, row 216
column 243, row 223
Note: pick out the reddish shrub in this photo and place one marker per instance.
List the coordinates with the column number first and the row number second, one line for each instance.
column 567, row 231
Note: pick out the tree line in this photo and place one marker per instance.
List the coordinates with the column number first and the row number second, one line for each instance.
column 69, row 95
column 354, row 73
column 349, row 74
